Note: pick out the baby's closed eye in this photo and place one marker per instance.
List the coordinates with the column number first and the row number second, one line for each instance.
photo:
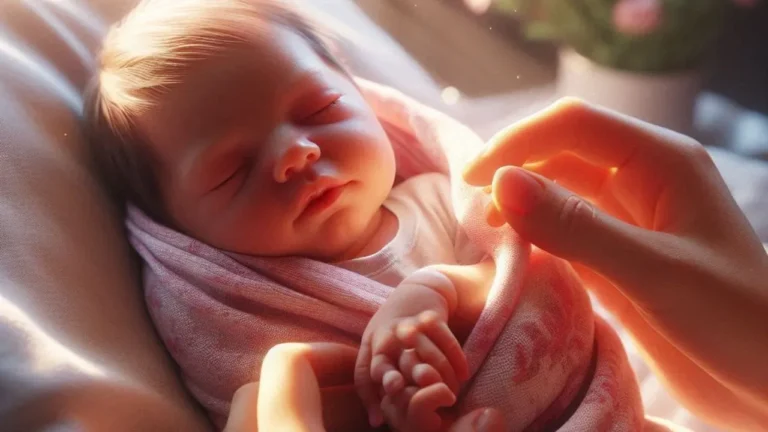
column 321, row 110
column 231, row 178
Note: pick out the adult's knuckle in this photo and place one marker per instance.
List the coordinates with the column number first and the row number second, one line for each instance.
column 698, row 153
column 687, row 150
column 575, row 213
column 688, row 157
column 573, row 113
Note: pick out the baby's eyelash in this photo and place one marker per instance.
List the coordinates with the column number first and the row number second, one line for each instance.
column 228, row 179
column 325, row 108
column 334, row 102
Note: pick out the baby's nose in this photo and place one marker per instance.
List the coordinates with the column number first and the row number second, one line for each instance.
column 297, row 158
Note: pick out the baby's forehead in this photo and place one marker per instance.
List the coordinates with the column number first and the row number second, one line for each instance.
column 254, row 81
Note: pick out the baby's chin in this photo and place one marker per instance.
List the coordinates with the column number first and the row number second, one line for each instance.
column 342, row 237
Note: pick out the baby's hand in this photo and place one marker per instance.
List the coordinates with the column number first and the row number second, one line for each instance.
column 415, row 350
column 408, row 344
column 414, row 409
column 418, row 364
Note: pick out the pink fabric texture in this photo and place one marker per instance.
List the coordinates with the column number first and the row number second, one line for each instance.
column 538, row 351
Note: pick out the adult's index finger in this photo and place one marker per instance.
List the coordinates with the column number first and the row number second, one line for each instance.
column 600, row 136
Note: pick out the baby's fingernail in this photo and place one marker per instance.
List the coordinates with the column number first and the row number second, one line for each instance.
column 488, row 189
column 374, row 417
column 392, row 381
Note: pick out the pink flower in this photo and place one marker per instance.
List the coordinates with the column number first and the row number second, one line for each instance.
column 637, row 17
column 478, row 7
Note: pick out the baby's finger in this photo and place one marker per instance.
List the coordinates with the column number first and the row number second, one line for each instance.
column 408, row 360
column 381, row 365
column 425, row 375
column 433, row 397
column 386, row 351
column 424, row 404
column 393, row 382
column 441, row 335
column 385, row 342
column 415, row 371
column 428, row 352
column 395, row 408
column 365, row 386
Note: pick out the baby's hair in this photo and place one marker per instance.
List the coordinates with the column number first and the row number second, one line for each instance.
column 145, row 55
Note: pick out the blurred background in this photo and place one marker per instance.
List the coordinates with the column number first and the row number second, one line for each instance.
column 697, row 66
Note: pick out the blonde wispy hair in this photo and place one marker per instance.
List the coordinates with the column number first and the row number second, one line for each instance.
column 146, row 54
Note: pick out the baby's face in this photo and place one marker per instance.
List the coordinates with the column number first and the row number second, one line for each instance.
column 270, row 151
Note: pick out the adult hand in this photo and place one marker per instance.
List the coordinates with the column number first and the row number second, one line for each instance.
column 295, row 378
column 651, row 227
column 479, row 420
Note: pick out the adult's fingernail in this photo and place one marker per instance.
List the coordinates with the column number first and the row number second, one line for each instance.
column 493, row 217
column 516, row 191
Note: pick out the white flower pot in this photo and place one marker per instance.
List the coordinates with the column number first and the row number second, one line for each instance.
column 665, row 99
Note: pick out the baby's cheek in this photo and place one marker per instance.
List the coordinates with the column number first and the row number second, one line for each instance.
column 258, row 229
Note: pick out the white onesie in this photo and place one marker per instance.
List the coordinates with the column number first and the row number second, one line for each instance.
column 428, row 233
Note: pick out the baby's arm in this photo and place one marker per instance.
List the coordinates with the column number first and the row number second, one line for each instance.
column 471, row 283
column 294, row 376
column 426, row 313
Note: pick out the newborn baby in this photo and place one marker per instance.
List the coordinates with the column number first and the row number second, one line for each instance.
column 231, row 123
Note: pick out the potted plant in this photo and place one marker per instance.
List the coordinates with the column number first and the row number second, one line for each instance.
column 642, row 57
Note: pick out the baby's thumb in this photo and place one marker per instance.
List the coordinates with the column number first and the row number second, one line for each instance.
column 566, row 225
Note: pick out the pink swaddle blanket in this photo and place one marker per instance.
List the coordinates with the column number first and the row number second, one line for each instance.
column 538, row 352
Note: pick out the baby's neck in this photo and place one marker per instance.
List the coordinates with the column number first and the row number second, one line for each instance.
column 380, row 232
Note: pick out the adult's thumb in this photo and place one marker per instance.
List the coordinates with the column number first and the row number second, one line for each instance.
column 566, row 225
column 480, row 420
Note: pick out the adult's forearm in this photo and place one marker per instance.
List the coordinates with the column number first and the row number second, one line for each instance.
column 693, row 386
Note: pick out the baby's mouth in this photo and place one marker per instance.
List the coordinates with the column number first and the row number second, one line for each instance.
column 321, row 197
